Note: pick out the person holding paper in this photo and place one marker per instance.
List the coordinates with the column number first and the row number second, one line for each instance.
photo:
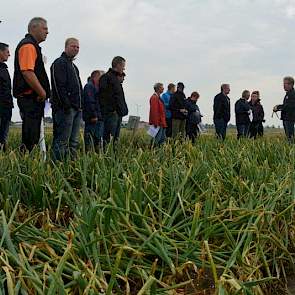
column 157, row 118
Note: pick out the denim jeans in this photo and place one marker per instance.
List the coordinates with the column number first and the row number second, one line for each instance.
column 66, row 131
column 31, row 112
column 5, row 118
column 220, row 128
column 118, row 129
column 93, row 133
column 289, row 130
column 160, row 137
column 111, row 127
column 243, row 130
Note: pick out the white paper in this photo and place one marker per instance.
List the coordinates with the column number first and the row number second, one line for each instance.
column 202, row 128
column 153, row 131
column 251, row 115
column 42, row 140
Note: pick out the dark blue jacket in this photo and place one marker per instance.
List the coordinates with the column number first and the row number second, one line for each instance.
column 91, row 107
column 5, row 87
column 177, row 102
column 242, row 109
column 67, row 89
column 288, row 106
column 111, row 94
column 194, row 116
column 257, row 111
column 221, row 107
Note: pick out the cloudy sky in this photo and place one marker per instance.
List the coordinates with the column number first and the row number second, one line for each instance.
column 203, row 43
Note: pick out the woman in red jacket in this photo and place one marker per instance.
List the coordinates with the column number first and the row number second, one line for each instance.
column 157, row 114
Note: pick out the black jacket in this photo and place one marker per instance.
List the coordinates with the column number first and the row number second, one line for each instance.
column 288, row 106
column 67, row 89
column 177, row 102
column 19, row 84
column 221, row 107
column 111, row 94
column 194, row 115
column 91, row 107
column 257, row 111
column 5, row 87
column 242, row 109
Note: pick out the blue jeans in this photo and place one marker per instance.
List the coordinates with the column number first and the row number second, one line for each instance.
column 111, row 127
column 220, row 128
column 5, row 118
column 93, row 133
column 243, row 130
column 160, row 137
column 66, row 131
column 289, row 130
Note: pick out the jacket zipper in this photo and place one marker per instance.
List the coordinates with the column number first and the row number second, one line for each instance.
column 78, row 86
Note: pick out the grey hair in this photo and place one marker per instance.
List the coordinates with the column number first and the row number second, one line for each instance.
column 36, row 21
column 157, row 86
column 289, row 79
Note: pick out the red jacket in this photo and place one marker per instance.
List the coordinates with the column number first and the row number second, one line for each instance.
column 157, row 111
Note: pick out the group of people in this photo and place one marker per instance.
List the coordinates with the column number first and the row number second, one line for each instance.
column 102, row 105
column 175, row 115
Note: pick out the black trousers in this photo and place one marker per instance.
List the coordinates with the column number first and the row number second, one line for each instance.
column 168, row 129
column 31, row 112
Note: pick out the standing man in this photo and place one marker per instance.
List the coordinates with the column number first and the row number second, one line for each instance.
column 93, row 131
column 6, row 102
column 112, row 99
column 179, row 113
column 194, row 116
column 242, row 110
column 166, row 99
column 157, row 114
column 67, row 102
column 121, row 78
column 221, row 110
column 256, row 125
column 288, row 108
column 30, row 82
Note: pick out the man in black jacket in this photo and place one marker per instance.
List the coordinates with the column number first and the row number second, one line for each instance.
column 194, row 116
column 30, row 82
column 178, row 111
column 256, row 126
column 221, row 110
column 288, row 108
column 67, row 101
column 6, row 102
column 112, row 99
column 242, row 110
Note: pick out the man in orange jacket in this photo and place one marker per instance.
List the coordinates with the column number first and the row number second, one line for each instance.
column 157, row 114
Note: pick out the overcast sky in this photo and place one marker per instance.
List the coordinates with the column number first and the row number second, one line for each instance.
column 203, row 43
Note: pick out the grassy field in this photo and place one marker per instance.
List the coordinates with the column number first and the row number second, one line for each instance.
column 209, row 218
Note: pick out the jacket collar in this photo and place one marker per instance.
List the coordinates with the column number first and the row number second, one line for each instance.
column 29, row 36
column 3, row 65
column 67, row 57
column 111, row 70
